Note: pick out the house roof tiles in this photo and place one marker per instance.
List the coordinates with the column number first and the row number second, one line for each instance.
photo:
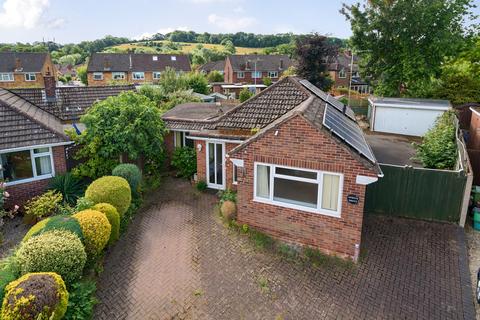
column 264, row 62
column 123, row 62
column 23, row 61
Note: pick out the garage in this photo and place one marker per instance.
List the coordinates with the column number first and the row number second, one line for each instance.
column 412, row 117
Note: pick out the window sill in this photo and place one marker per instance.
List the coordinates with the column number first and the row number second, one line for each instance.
column 22, row 181
column 299, row 208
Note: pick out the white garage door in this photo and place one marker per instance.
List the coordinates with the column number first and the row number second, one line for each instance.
column 412, row 122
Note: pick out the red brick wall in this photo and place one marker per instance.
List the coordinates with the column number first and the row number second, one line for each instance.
column 474, row 141
column 300, row 145
column 201, row 161
column 169, row 145
column 22, row 192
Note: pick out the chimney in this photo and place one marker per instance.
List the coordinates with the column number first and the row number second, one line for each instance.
column 281, row 64
column 130, row 61
column 50, row 86
column 18, row 65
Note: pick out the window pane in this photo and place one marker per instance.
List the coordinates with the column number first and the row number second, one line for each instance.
column 188, row 142
column 40, row 150
column 295, row 192
column 16, row 165
column 235, row 173
column 211, row 163
column 178, row 139
column 43, row 165
column 296, row 173
column 263, row 181
column 219, row 167
column 331, row 192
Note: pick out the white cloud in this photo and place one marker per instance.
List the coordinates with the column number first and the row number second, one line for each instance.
column 27, row 14
column 230, row 23
column 147, row 35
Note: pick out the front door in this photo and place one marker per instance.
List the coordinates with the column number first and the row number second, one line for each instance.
column 216, row 165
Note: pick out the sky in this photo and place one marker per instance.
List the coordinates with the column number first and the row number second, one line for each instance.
column 69, row 21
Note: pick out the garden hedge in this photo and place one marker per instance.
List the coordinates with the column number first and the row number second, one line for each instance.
column 56, row 251
column 110, row 189
column 129, row 172
column 96, row 229
column 35, row 296
column 56, row 223
column 113, row 217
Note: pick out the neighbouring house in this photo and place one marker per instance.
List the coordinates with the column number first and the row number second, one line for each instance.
column 406, row 116
column 25, row 69
column 213, row 66
column 297, row 158
column 344, row 74
column 67, row 70
column 136, row 68
column 33, row 144
column 252, row 68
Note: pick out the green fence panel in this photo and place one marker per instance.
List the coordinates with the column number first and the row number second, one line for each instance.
column 417, row 193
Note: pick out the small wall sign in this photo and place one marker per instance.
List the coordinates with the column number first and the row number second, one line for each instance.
column 353, row 199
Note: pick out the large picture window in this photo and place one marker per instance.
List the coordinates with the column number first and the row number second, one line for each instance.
column 308, row 190
column 26, row 165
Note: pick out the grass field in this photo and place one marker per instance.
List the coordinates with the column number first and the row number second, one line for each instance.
column 187, row 47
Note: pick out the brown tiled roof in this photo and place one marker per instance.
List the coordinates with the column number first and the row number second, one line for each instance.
column 29, row 61
column 70, row 102
column 100, row 62
column 265, row 62
column 267, row 106
column 213, row 65
column 23, row 124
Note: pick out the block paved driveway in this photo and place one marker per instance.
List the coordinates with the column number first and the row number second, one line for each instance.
column 176, row 261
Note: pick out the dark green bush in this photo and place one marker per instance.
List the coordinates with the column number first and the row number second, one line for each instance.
column 245, row 94
column 184, row 160
column 131, row 173
column 69, row 186
column 81, row 300
column 201, row 185
column 228, row 195
column 66, row 223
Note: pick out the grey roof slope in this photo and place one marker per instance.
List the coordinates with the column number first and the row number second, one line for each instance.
column 213, row 65
column 29, row 61
column 100, row 62
column 71, row 102
column 23, row 124
column 265, row 62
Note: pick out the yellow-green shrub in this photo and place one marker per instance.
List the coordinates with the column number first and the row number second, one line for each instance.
column 113, row 217
column 96, row 230
column 61, row 222
column 35, row 296
column 35, row 229
column 58, row 251
column 44, row 205
column 110, row 189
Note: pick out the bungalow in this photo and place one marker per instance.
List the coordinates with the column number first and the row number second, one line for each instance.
column 252, row 68
column 297, row 158
column 25, row 69
column 137, row 68
column 32, row 139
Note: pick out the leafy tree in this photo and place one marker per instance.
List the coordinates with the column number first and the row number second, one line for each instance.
column 184, row 160
column 128, row 124
column 309, row 51
column 439, row 148
column 197, row 82
column 215, row 76
column 403, row 42
column 82, row 74
column 267, row 81
column 245, row 94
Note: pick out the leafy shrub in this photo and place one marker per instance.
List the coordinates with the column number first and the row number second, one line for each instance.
column 184, row 160
column 9, row 271
column 35, row 296
column 128, row 216
column 228, row 195
column 110, row 189
column 81, row 300
column 129, row 172
column 56, row 251
column 113, row 217
column 245, row 94
column 96, row 230
column 44, row 205
column 66, row 223
column 439, row 148
column 267, row 81
column 69, row 186
column 215, row 76
column 201, row 185
column 83, row 204
column 197, row 82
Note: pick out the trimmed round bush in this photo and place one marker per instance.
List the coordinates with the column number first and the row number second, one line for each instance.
column 110, row 189
column 58, row 251
column 228, row 209
column 129, row 172
column 35, row 296
column 56, row 223
column 113, row 217
column 96, row 230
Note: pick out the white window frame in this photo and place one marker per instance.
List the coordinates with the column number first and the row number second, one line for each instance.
column 7, row 77
column 33, row 156
column 240, row 74
column 273, row 74
column 318, row 181
column 30, row 76
column 156, row 75
column 138, row 73
column 342, row 74
column 118, row 73
column 254, row 73
column 96, row 74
